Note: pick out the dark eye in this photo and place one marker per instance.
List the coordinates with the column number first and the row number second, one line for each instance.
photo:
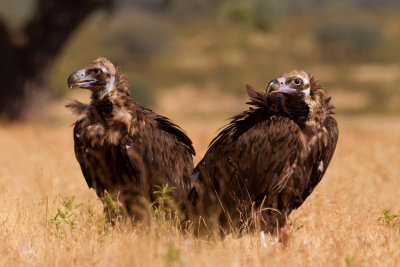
column 297, row 81
column 95, row 71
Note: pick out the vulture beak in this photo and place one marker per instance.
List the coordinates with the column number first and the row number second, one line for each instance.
column 79, row 79
column 279, row 85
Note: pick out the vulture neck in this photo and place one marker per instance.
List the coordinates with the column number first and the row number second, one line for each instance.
column 319, row 107
column 118, row 88
column 318, row 110
column 292, row 106
column 115, row 106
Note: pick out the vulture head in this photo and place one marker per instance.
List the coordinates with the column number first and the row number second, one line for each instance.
column 98, row 76
column 294, row 83
column 300, row 96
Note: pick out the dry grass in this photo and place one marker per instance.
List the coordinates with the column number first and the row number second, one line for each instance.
column 339, row 220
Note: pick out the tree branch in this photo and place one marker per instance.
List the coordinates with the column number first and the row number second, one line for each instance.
column 53, row 23
column 4, row 35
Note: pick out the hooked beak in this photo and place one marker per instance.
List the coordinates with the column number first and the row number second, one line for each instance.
column 79, row 79
column 279, row 85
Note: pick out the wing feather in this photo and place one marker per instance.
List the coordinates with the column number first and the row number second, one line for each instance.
column 324, row 154
column 87, row 163
column 159, row 154
column 260, row 160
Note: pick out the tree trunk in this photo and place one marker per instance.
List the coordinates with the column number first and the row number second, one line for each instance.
column 28, row 55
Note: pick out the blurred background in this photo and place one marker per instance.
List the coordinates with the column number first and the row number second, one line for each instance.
column 195, row 56
column 190, row 60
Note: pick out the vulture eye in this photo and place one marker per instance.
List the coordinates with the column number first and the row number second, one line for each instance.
column 297, row 81
column 95, row 71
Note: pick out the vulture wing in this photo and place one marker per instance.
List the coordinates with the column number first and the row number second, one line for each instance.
column 159, row 154
column 323, row 154
column 88, row 162
column 256, row 164
column 155, row 152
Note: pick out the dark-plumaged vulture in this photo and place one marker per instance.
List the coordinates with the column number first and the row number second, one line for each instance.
column 124, row 148
column 267, row 160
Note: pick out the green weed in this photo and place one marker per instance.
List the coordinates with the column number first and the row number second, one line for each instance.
column 349, row 261
column 71, row 216
column 110, row 208
column 173, row 257
column 65, row 217
column 388, row 218
column 295, row 225
column 162, row 211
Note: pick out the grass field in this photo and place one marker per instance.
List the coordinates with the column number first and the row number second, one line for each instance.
column 341, row 224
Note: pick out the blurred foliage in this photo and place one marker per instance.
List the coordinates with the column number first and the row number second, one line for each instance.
column 348, row 41
column 142, row 93
column 351, row 46
column 142, row 38
column 15, row 12
column 252, row 14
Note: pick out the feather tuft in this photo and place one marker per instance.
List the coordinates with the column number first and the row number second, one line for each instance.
column 77, row 108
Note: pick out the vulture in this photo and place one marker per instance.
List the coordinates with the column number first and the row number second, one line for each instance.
column 123, row 148
column 267, row 160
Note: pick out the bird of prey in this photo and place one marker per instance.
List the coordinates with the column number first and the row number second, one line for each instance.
column 124, row 148
column 267, row 160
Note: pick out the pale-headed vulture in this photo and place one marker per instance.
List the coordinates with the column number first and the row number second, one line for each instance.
column 267, row 160
column 125, row 148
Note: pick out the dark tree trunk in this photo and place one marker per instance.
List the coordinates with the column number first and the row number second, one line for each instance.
column 28, row 55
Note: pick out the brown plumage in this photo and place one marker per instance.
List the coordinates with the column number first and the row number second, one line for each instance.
column 268, row 159
column 123, row 147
